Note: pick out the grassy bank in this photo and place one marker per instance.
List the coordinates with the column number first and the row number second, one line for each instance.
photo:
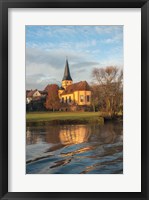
column 42, row 118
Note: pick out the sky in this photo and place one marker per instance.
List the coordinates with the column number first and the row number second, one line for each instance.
column 86, row 47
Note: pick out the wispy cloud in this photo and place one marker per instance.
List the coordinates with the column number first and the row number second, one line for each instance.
column 115, row 39
column 108, row 29
column 85, row 46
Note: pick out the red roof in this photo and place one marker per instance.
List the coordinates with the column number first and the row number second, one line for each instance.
column 42, row 92
column 51, row 87
column 80, row 86
column 31, row 93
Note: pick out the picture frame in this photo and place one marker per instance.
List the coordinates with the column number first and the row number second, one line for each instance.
column 4, row 108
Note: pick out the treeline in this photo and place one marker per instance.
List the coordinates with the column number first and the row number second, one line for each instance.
column 107, row 94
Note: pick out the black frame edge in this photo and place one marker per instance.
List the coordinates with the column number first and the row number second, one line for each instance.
column 4, row 100
column 4, row 194
column 74, row 3
column 1, row 182
column 144, row 85
column 147, row 98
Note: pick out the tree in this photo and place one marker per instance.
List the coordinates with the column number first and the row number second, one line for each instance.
column 95, row 97
column 109, row 86
column 52, row 100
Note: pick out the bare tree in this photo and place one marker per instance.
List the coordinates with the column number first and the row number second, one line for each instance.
column 109, row 89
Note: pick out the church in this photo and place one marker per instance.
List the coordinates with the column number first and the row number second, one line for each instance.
column 74, row 93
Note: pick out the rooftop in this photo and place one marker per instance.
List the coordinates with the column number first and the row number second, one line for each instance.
column 67, row 75
column 80, row 86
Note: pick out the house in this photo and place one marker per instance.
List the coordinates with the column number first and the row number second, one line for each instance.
column 31, row 95
column 35, row 100
column 78, row 93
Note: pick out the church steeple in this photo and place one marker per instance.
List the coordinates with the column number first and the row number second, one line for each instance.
column 67, row 80
column 67, row 75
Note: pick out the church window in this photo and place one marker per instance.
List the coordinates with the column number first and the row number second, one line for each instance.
column 62, row 99
column 66, row 99
column 81, row 98
column 88, row 98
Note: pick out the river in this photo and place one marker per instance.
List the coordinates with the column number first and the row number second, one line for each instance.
column 75, row 149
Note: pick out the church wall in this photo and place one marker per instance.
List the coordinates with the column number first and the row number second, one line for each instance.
column 60, row 92
column 67, row 96
column 81, row 97
column 78, row 97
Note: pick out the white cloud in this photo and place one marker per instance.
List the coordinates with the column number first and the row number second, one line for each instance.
column 85, row 47
column 115, row 39
column 108, row 29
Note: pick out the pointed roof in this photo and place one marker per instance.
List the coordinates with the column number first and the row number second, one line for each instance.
column 67, row 75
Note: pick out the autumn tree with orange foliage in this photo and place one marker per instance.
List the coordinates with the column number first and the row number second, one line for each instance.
column 52, row 100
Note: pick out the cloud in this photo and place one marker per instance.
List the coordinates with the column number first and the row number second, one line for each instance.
column 39, row 56
column 85, row 46
column 86, row 64
column 54, row 58
column 108, row 29
column 67, row 46
column 115, row 39
column 112, row 61
column 44, row 67
column 40, row 81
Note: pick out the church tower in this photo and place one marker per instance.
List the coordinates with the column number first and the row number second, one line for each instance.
column 67, row 80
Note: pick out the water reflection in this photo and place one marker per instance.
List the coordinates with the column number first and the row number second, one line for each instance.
column 75, row 149
column 74, row 135
column 35, row 135
column 66, row 135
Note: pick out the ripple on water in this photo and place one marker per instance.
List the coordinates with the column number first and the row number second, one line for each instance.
column 78, row 149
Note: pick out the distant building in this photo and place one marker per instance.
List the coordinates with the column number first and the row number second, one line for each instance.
column 78, row 93
column 35, row 100
column 32, row 94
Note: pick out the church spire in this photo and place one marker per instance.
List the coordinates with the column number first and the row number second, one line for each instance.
column 67, row 75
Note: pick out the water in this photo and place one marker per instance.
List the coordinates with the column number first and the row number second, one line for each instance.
column 75, row 149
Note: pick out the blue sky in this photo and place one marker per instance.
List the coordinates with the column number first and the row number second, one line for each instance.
column 86, row 47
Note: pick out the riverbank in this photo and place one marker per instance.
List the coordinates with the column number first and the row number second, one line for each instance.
column 44, row 118
column 60, row 118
